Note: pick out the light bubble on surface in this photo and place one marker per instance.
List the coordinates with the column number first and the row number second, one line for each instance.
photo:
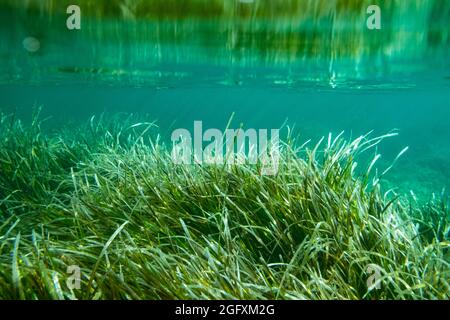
column 31, row 44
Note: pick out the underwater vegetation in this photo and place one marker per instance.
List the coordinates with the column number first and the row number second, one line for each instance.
column 107, row 197
column 104, row 196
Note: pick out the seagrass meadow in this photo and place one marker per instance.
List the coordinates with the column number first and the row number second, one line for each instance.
column 93, row 205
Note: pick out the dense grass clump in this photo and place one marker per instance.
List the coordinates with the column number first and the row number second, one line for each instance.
column 109, row 199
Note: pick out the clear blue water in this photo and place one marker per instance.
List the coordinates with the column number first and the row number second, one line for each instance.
column 178, row 71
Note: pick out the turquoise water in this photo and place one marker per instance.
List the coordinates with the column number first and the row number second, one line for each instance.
column 316, row 74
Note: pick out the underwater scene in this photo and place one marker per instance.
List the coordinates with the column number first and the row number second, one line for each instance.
column 224, row 149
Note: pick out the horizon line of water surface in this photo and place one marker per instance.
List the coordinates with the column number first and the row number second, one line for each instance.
column 326, row 43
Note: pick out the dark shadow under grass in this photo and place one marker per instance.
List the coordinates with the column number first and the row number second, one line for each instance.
column 109, row 199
